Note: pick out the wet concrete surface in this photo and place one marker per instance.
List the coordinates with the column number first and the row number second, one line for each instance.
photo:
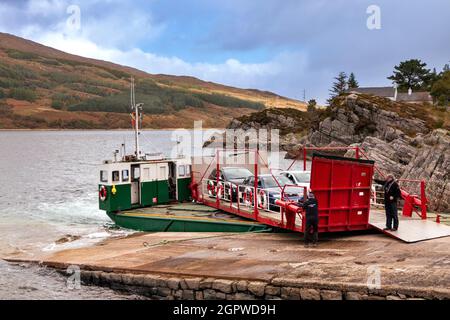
column 346, row 259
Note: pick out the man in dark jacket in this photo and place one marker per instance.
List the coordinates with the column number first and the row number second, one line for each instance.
column 391, row 195
column 312, row 219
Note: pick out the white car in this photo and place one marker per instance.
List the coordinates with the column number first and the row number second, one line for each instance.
column 299, row 178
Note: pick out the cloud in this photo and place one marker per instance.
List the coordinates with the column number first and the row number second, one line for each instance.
column 107, row 38
column 284, row 47
column 110, row 23
column 231, row 72
column 45, row 8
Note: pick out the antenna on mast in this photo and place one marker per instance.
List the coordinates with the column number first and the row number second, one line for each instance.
column 135, row 109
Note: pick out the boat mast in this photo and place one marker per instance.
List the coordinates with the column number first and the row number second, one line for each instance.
column 135, row 107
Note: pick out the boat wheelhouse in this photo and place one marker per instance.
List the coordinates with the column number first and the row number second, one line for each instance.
column 126, row 185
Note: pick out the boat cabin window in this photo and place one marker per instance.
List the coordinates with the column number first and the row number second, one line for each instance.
column 104, row 176
column 181, row 171
column 163, row 173
column 136, row 173
column 125, row 175
column 115, row 176
column 188, row 170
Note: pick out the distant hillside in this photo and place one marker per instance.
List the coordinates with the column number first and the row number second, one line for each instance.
column 41, row 87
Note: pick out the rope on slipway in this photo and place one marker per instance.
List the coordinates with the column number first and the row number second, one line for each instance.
column 164, row 242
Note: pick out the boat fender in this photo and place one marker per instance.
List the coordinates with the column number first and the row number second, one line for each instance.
column 113, row 190
column 103, row 193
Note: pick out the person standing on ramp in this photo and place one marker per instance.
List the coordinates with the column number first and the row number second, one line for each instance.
column 391, row 195
column 312, row 219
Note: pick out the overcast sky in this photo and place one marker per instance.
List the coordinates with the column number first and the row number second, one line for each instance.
column 282, row 46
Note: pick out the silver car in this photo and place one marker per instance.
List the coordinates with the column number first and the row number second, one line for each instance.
column 299, row 178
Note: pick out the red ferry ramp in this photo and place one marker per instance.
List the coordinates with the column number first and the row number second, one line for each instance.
column 343, row 188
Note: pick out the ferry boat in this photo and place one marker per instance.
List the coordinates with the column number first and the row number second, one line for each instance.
column 150, row 192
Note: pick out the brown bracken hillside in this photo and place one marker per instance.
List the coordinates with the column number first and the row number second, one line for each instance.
column 44, row 88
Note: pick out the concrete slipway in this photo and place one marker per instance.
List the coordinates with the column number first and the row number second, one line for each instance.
column 263, row 266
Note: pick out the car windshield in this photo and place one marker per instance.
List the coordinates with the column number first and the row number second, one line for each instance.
column 269, row 181
column 236, row 173
column 304, row 177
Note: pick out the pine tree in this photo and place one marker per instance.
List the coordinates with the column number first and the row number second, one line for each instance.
column 352, row 83
column 411, row 74
column 339, row 86
column 434, row 76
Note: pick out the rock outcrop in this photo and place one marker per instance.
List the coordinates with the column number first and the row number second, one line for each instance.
column 293, row 126
column 426, row 157
column 355, row 116
column 432, row 163
column 399, row 137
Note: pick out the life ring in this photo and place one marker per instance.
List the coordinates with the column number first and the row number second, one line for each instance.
column 227, row 191
column 211, row 189
column 103, row 193
column 219, row 190
column 214, row 191
column 262, row 199
column 248, row 196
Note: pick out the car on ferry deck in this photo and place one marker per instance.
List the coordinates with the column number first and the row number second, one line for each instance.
column 270, row 188
column 229, row 177
column 297, row 177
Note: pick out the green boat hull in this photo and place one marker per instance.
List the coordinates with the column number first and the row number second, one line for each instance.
column 152, row 223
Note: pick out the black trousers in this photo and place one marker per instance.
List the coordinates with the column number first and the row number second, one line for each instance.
column 391, row 214
column 311, row 230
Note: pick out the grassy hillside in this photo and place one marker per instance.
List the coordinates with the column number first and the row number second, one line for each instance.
column 41, row 87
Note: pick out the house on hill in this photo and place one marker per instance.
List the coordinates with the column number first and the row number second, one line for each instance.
column 415, row 97
column 393, row 94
